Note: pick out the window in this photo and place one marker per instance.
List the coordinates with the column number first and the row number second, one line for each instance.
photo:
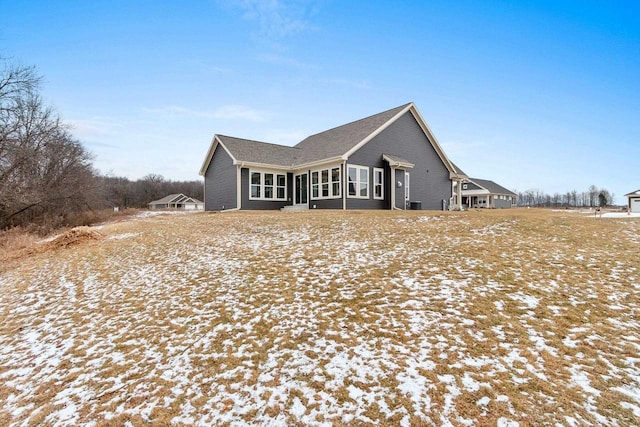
column 378, row 183
column 281, row 187
column 359, row 182
column 268, row 186
column 325, row 183
column 315, row 191
column 255, row 184
column 335, row 182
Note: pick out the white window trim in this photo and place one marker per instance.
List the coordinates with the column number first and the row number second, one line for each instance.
column 358, row 182
column 275, row 185
column 381, row 183
column 330, row 183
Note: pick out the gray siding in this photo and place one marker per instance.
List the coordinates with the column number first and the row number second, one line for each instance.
column 471, row 186
column 261, row 204
column 501, row 204
column 220, row 182
column 430, row 182
column 326, row 204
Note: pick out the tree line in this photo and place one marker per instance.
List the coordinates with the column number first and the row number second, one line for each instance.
column 47, row 178
column 592, row 197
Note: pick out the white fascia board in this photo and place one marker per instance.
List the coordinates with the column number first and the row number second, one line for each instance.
column 376, row 132
column 178, row 198
column 458, row 176
column 332, row 161
column 434, row 142
column 396, row 164
column 212, row 148
column 475, row 192
column 264, row 166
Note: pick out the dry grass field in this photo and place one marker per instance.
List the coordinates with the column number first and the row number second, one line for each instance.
column 517, row 317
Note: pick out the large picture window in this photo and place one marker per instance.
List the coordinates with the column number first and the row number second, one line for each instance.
column 325, row 183
column 358, row 182
column 267, row 186
column 378, row 183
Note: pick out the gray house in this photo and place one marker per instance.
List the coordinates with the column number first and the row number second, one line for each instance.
column 177, row 201
column 482, row 193
column 390, row 160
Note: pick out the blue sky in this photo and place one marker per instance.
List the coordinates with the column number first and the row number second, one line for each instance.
column 533, row 95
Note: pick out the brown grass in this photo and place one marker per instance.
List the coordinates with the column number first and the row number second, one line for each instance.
column 528, row 315
column 18, row 244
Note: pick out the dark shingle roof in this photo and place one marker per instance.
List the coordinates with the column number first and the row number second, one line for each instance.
column 458, row 170
column 633, row 193
column 246, row 150
column 492, row 186
column 338, row 141
column 328, row 145
column 396, row 159
column 166, row 199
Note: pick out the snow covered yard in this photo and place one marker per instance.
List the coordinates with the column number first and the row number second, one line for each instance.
column 328, row 318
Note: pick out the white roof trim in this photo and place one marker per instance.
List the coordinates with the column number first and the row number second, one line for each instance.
column 212, row 148
column 328, row 161
column 395, row 164
column 263, row 166
column 453, row 173
column 476, row 192
column 376, row 132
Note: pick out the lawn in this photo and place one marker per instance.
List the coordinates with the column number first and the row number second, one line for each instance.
column 514, row 317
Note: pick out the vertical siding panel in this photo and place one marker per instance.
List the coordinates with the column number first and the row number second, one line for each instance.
column 220, row 182
column 430, row 182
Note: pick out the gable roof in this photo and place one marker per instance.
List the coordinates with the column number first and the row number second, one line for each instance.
column 633, row 193
column 459, row 171
column 491, row 186
column 167, row 199
column 332, row 145
column 340, row 140
column 174, row 198
column 248, row 151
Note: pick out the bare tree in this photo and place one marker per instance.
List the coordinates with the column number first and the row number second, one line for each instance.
column 44, row 172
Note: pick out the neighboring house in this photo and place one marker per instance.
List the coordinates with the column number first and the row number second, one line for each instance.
column 177, row 201
column 634, row 201
column 390, row 160
column 482, row 193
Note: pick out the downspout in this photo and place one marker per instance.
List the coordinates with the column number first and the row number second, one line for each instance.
column 239, row 186
column 344, row 185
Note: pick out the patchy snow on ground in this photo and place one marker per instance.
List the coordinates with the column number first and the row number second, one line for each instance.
column 328, row 318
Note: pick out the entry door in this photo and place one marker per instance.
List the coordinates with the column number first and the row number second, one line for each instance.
column 301, row 189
